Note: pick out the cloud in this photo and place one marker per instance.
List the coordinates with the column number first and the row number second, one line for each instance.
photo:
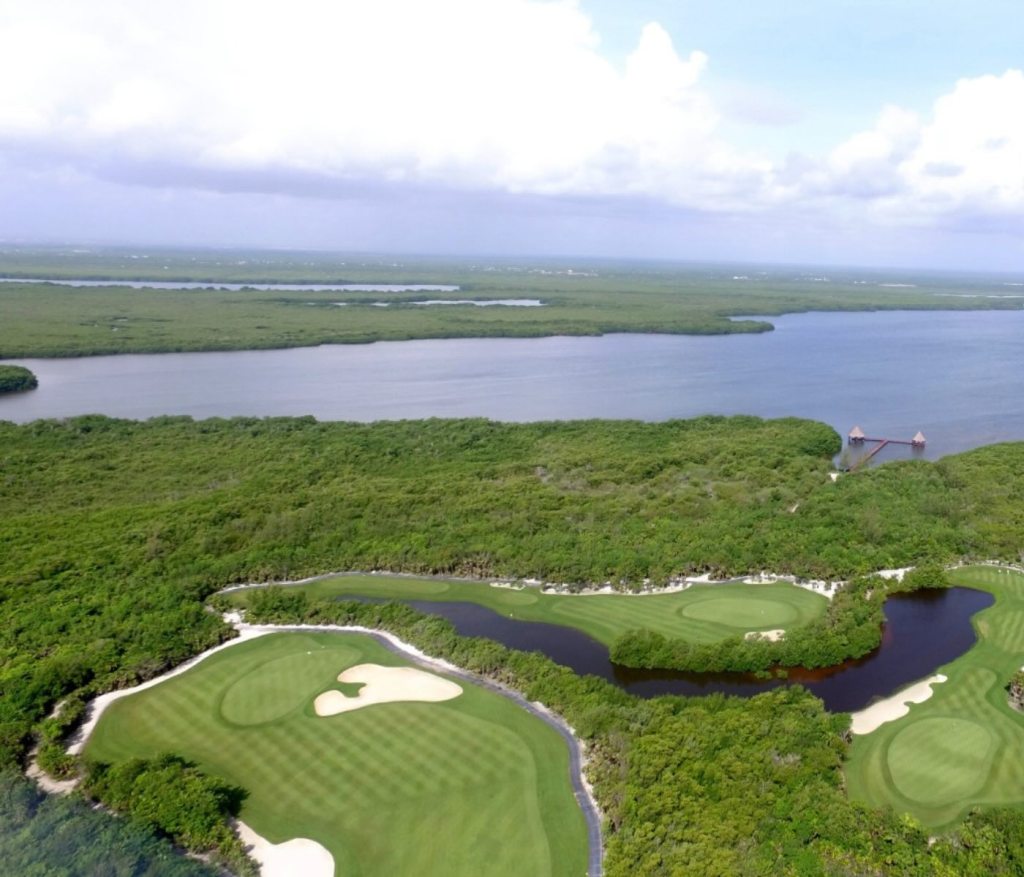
column 978, row 130
column 965, row 158
column 494, row 99
column 759, row 105
column 506, row 95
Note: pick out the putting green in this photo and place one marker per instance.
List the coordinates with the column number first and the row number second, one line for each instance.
column 274, row 689
column 941, row 760
column 397, row 788
column 748, row 613
column 964, row 746
column 701, row 613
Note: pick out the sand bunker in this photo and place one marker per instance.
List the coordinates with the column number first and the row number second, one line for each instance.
column 895, row 707
column 298, row 856
column 770, row 635
column 386, row 685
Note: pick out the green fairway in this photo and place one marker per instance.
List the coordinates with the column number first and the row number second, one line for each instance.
column 964, row 747
column 702, row 613
column 399, row 788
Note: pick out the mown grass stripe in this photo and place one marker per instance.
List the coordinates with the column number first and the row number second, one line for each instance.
column 964, row 746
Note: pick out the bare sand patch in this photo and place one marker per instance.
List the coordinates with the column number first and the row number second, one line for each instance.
column 896, row 707
column 46, row 782
column 386, row 685
column 771, row 635
column 298, row 856
column 896, row 574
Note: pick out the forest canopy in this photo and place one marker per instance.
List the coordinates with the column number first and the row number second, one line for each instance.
column 15, row 378
column 114, row 534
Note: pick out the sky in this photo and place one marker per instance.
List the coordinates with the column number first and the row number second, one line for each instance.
column 855, row 132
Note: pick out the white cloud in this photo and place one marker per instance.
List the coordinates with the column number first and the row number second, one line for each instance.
column 965, row 158
column 506, row 94
column 971, row 153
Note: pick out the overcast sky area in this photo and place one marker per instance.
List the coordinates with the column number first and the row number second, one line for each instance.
column 855, row 132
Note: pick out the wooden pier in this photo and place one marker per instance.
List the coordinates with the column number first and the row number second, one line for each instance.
column 857, row 437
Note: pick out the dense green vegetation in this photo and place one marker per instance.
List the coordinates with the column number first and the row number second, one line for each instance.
column 700, row 614
column 15, row 378
column 171, row 797
column 964, row 746
column 47, row 320
column 113, row 533
column 44, row 836
column 402, row 788
column 144, row 520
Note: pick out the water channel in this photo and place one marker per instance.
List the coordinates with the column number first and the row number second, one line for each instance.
column 923, row 631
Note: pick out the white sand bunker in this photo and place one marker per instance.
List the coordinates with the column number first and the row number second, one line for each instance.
column 386, row 685
column 299, row 856
column 895, row 707
column 771, row 635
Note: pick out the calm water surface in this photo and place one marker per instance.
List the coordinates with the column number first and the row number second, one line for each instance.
column 215, row 284
column 923, row 631
column 958, row 377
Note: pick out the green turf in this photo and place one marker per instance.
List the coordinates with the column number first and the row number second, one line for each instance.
column 964, row 747
column 409, row 788
column 702, row 613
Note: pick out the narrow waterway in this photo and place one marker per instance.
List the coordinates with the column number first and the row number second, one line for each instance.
column 923, row 631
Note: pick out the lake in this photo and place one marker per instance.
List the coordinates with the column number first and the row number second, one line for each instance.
column 956, row 376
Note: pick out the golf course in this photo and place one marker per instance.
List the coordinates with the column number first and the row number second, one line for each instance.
column 324, row 733
column 964, row 746
column 700, row 614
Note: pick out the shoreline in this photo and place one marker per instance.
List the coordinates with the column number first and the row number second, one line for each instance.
column 894, row 707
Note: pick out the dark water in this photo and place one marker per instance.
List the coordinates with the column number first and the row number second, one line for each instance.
column 958, row 377
column 923, row 631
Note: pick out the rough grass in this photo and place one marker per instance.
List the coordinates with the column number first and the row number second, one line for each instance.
column 702, row 613
column 964, row 747
column 409, row 788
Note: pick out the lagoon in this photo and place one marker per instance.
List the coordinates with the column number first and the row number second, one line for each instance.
column 956, row 376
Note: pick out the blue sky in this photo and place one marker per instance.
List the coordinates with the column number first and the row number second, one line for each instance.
column 837, row 61
column 872, row 133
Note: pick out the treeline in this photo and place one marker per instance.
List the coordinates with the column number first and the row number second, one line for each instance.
column 52, row 836
column 705, row 786
column 14, row 378
column 850, row 628
column 174, row 799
